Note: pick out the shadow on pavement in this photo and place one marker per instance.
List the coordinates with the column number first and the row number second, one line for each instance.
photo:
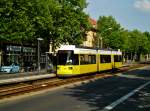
column 139, row 73
column 138, row 102
column 100, row 93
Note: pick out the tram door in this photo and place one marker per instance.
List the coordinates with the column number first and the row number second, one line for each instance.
column 112, row 61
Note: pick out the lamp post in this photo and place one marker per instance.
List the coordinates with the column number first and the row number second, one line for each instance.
column 46, row 66
column 101, row 38
column 39, row 67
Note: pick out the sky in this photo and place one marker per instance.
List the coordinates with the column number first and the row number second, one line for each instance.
column 131, row 14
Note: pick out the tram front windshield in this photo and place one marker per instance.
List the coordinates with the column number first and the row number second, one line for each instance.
column 65, row 57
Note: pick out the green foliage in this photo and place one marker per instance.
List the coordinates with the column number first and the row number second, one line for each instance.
column 115, row 37
column 111, row 32
column 138, row 42
column 64, row 21
column 147, row 37
column 70, row 22
column 59, row 21
column 22, row 20
column 14, row 23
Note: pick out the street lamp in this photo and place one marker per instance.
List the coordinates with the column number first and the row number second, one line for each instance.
column 101, row 38
column 39, row 67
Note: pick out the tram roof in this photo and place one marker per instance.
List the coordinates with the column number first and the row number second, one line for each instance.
column 81, row 50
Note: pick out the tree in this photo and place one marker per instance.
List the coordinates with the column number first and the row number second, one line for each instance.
column 70, row 22
column 138, row 44
column 23, row 20
column 59, row 21
column 14, row 23
column 147, row 35
column 132, row 43
column 110, row 31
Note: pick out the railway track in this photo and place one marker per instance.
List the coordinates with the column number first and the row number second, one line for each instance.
column 26, row 88
column 18, row 89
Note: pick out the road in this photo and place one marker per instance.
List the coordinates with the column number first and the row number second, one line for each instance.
column 92, row 96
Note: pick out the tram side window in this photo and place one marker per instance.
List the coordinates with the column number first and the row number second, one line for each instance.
column 76, row 59
column 87, row 59
column 92, row 59
column 105, row 58
column 82, row 59
column 117, row 58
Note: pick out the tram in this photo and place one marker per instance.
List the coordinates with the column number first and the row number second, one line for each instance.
column 73, row 61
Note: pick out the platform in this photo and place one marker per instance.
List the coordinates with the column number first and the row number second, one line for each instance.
column 23, row 78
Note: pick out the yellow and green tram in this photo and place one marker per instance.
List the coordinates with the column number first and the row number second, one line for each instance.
column 73, row 61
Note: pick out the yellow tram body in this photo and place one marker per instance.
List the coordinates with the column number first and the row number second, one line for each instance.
column 68, row 70
column 117, row 63
column 73, row 70
column 74, row 61
column 84, row 69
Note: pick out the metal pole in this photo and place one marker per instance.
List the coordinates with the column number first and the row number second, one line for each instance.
column 46, row 65
column 38, row 56
column 98, row 42
column 102, row 37
column 0, row 54
column 101, row 42
column 39, row 67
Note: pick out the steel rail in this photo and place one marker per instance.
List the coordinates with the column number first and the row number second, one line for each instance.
column 50, row 83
